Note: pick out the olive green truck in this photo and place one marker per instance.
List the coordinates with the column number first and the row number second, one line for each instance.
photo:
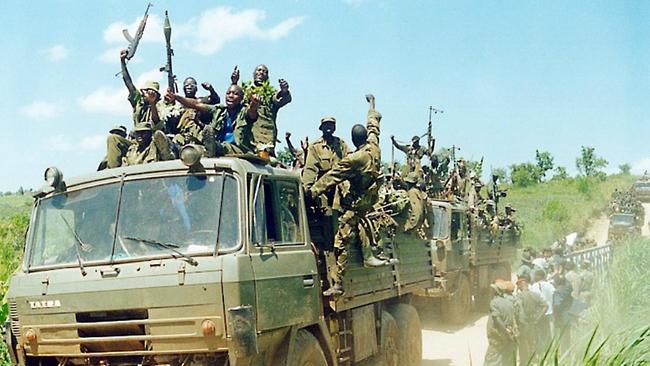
column 207, row 262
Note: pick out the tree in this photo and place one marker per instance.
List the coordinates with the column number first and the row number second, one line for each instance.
column 544, row 161
column 625, row 168
column 475, row 166
column 285, row 157
column 21, row 191
column 589, row 164
column 501, row 173
column 560, row 173
column 524, row 174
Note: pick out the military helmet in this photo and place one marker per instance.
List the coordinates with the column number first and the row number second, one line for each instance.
column 489, row 203
column 411, row 177
column 118, row 129
column 152, row 85
column 143, row 127
column 499, row 286
column 510, row 208
column 328, row 119
column 415, row 138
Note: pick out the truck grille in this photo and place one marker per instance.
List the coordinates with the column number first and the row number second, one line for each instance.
column 13, row 317
column 107, row 324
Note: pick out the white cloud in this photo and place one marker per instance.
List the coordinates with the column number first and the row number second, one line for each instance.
column 56, row 53
column 41, row 110
column 641, row 166
column 64, row 143
column 205, row 34
column 114, row 101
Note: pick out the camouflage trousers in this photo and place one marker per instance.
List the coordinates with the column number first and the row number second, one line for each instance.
column 500, row 352
column 116, row 148
column 353, row 228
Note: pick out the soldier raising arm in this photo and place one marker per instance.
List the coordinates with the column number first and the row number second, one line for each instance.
column 145, row 101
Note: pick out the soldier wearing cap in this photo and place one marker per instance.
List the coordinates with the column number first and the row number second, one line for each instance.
column 322, row 154
column 361, row 169
column 414, row 154
column 501, row 328
column 149, row 146
column 117, row 144
column 474, row 198
column 146, row 102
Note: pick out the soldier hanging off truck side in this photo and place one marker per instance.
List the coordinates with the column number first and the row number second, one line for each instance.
column 361, row 169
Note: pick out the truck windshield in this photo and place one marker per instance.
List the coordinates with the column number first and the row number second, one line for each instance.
column 440, row 228
column 622, row 219
column 157, row 217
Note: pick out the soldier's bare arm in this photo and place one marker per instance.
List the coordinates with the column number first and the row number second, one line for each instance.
column 283, row 96
column 374, row 117
column 292, row 149
column 188, row 102
column 400, row 147
column 234, row 77
column 252, row 114
column 310, row 171
column 213, row 98
column 125, row 73
column 343, row 170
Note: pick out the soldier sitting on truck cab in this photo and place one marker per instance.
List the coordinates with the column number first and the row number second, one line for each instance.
column 149, row 146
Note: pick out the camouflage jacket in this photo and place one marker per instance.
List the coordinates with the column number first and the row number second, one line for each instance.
column 321, row 157
column 135, row 157
column 361, row 168
column 142, row 111
column 265, row 130
column 413, row 155
column 242, row 126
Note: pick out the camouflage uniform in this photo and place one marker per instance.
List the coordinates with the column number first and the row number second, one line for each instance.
column 264, row 130
column 142, row 110
column 530, row 309
column 361, row 168
column 500, row 327
column 413, row 158
column 157, row 150
column 322, row 155
column 116, row 147
column 189, row 128
column 417, row 207
column 241, row 126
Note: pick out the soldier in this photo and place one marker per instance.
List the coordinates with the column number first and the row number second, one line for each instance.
column 299, row 156
column 414, row 154
column 501, row 332
column 416, row 203
column 474, row 198
column 230, row 129
column 562, row 302
column 116, row 147
column 530, row 310
column 526, row 266
column 146, row 101
column 265, row 130
column 361, row 169
column 322, row 154
column 149, row 146
column 187, row 128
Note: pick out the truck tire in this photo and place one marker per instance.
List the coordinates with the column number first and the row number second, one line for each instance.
column 456, row 307
column 308, row 351
column 409, row 334
column 389, row 340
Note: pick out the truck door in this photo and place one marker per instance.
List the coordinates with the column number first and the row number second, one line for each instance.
column 284, row 266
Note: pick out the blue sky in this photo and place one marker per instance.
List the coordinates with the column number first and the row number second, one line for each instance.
column 511, row 76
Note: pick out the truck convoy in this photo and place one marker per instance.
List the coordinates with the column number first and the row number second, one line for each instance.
column 217, row 261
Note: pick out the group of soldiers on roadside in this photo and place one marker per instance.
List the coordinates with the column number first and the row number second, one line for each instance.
column 550, row 293
column 164, row 123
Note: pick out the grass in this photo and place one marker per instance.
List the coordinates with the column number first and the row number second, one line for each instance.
column 553, row 209
column 616, row 329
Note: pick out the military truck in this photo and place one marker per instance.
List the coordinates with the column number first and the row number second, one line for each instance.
column 622, row 225
column 205, row 261
column 641, row 189
column 468, row 256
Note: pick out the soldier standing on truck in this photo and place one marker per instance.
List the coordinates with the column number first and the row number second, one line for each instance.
column 414, row 154
column 322, row 154
column 416, row 210
column 265, row 129
column 361, row 169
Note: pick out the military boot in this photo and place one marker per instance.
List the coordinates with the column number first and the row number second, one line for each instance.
column 162, row 144
column 369, row 260
column 209, row 141
column 336, row 290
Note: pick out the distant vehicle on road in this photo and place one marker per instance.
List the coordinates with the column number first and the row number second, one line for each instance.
column 641, row 189
column 622, row 225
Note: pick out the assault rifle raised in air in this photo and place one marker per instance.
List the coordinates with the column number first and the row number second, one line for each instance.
column 134, row 41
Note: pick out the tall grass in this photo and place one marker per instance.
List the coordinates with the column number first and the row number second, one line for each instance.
column 615, row 330
column 553, row 209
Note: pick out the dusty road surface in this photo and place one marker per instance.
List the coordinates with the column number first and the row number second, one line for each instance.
column 598, row 229
column 444, row 345
column 645, row 229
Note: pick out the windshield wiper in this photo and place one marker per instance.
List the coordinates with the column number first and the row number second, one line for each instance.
column 80, row 242
column 169, row 246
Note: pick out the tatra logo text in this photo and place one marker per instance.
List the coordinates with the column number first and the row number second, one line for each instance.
column 43, row 304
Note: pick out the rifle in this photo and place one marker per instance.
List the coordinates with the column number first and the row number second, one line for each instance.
column 171, row 78
column 134, row 41
column 431, row 142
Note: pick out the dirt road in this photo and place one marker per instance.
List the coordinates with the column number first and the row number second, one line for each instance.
column 444, row 345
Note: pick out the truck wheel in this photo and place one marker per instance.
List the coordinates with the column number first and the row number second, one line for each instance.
column 308, row 351
column 389, row 350
column 409, row 334
column 455, row 308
